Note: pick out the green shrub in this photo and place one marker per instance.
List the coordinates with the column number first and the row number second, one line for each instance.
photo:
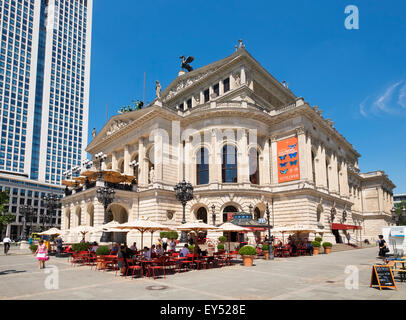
column 316, row 244
column 169, row 235
column 83, row 246
column 265, row 247
column 247, row 251
column 191, row 248
column 222, row 239
column 103, row 251
column 220, row 246
column 33, row 247
column 327, row 245
column 318, row 239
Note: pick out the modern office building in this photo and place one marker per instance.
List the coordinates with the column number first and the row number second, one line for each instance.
column 398, row 198
column 244, row 141
column 44, row 87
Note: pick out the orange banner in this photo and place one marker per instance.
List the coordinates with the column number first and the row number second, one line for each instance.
column 288, row 160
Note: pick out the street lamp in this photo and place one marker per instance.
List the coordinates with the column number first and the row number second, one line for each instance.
column 100, row 157
column 134, row 164
column 105, row 196
column 52, row 202
column 27, row 212
column 268, row 217
column 213, row 209
column 183, row 193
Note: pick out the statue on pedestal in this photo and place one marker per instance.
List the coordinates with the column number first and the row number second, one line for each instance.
column 158, row 89
column 151, row 175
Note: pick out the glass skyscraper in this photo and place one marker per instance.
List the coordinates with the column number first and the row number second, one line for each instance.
column 44, row 87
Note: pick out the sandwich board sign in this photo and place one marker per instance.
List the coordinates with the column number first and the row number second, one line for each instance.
column 382, row 276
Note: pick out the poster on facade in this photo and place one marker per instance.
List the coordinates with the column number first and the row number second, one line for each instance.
column 288, row 160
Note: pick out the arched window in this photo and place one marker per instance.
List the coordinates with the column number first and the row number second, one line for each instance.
column 202, row 214
column 254, row 166
column 228, row 210
column 202, row 166
column 257, row 214
column 229, row 166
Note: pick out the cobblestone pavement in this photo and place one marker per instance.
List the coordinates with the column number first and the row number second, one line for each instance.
column 320, row 277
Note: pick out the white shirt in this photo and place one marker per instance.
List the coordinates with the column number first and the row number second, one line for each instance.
column 6, row 240
column 164, row 240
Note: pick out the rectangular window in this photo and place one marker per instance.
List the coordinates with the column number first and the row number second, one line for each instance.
column 216, row 89
column 189, row 104
column 206, row 95
column 226, row 84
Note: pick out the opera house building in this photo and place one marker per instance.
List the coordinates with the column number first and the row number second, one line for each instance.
column 244, row 141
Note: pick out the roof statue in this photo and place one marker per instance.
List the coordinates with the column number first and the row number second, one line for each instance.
column 185, row 63
column 158, row 89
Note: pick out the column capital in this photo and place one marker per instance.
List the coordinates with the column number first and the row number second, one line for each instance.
column 300, row 130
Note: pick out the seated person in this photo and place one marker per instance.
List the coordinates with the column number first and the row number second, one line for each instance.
column 94, row 247
column 159, row 251
column 115, row 249
column 134, row 247
column 146, row 254
column 185, row 251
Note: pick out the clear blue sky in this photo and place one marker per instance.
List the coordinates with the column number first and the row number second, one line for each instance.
column 357, row 77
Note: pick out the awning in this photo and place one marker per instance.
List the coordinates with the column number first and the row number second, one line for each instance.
column 337, row 226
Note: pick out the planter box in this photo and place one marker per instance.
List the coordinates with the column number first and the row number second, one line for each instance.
column 248, row 261
column 316, row 251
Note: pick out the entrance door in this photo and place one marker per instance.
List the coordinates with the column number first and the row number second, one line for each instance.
column 338, row 237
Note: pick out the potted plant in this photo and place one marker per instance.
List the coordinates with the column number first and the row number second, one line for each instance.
column 222, row 239
column 265, row 251
column 82, row 246
column 318, row 239
column 191, row 248
column 327, row 247
column 247, row 253
column 220, row 247
column 101, row 251
column 33, row 248
column 316, row 247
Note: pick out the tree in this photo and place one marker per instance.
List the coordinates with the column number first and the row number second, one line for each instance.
column 5, row 216
column 399, row 211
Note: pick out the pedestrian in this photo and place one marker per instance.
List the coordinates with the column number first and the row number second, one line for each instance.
column 383, row 249
column 122, row 264
column 173, row 245
column 42, row 254
column 6, row 243
column 59, row 245
column 164, row 243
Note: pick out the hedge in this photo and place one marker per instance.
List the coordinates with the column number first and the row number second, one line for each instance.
column 102, row 251
column 169, row 235
column 83, row 246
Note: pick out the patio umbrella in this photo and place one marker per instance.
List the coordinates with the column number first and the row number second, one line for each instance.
column 197, row 226
column 69, row 183
column 83, row 230
column 231, row 227
column 295, row 229
column 91, row 173
column 143, row 226
column 51, row 232
column 105, row 227
column 112, row 176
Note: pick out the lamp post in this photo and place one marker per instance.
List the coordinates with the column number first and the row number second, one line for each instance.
column 100, row 157
column 183, row 193
column 268, row 217
column 134, row 164
column 105, row 196
column 27, row 212
column 213, row 209
column 52, row 202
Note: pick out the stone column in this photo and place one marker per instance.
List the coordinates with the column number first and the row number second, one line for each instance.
column 158, row 158
column 274, row 161
column 243, row 76
column 265, row 169
column 98, row 213
column 213, row 174
column 143, row 163
column 308, row 158
column 333, row 174
column 301, row 137
column 127, row 160
column 321, row 170
column 187, row 159
column 114, row 161
column 221, row 87
column 344, row 187
column 243, row 169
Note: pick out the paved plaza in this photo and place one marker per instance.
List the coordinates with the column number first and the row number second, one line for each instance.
column 319, row 277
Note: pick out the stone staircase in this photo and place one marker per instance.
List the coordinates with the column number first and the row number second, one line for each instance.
column 338, row 247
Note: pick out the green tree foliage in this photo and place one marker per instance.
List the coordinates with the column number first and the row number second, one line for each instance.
column 399, row 211
column 5, row 216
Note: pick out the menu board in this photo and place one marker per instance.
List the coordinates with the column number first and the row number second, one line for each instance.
column 288, row 160
column 382, row 276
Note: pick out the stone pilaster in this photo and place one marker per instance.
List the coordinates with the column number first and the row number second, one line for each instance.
column 301, row 137
column 243, row 157
column 143, row 163
column 265, row 173
column 274, row 160
column 127, row 160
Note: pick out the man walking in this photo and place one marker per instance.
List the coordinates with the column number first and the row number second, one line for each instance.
column 6, row 243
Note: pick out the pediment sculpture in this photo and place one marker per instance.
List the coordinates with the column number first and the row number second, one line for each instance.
column 116, row 126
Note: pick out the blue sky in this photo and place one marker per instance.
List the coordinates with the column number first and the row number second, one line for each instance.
column 357, row 77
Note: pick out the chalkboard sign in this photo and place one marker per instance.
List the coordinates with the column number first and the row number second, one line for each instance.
column 382, row 276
